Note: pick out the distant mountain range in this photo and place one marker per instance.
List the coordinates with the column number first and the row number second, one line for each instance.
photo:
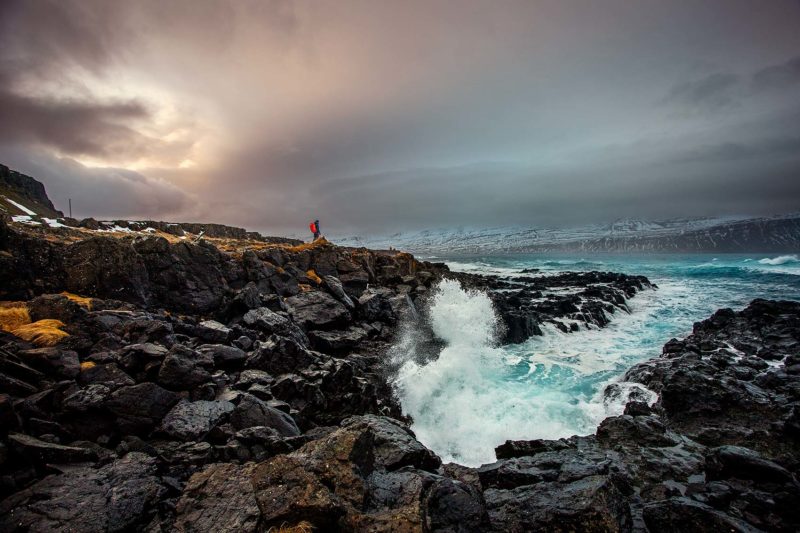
column 779, row 234
column 24, row 199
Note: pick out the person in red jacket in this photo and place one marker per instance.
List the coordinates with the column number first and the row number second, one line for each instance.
column 314, row 227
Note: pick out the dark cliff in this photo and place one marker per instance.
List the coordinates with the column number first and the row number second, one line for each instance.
column 28, row 190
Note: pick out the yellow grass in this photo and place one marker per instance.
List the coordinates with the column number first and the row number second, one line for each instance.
column 15, row 319
column 46, row 332
column 14, row 316
column 86, row 365
column 302, row 527
column 313, row 276
column 80, row 300
column 322, row 241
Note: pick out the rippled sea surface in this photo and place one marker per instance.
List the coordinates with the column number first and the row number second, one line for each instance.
column 476, row 395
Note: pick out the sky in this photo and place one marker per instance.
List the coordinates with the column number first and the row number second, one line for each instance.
column 387, row 116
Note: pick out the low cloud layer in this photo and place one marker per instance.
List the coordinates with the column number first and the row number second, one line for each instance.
column 376, row 117
column 103, row 192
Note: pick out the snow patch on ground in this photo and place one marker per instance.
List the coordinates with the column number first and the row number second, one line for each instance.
column 53, row 223
column 25, row 219
column 20, row 206
column 114, row 229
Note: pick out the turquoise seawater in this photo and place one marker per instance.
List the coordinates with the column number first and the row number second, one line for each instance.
column 476, row 395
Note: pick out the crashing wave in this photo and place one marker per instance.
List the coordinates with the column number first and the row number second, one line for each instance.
column 780, row 260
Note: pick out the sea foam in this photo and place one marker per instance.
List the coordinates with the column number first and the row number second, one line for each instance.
column 476, row 395
column 780, row 260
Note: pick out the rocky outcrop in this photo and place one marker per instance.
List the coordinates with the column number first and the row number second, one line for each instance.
column 194, row 278
column 28, row 189
column 734, row 381
column 569, row 301
column 186, row 356
column 120, row 496
column 203, row 390
column 181, row 229
column 717, row 452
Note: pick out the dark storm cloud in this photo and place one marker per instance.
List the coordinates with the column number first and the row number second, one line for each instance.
column 768, row 149
column 410, row 114
column 783, row 76
column 100, row 192
column 73, row 127
column 36, row 36
column 709, row 94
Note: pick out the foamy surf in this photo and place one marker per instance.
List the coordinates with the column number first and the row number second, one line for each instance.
column 780, row 260
column 475, row 395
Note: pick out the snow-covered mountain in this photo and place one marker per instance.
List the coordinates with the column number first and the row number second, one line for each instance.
column 730, row 234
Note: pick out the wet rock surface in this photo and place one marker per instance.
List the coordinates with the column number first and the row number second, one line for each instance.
column 185, row 369
column 569, row 300
column 209, row 391
column 717, row 452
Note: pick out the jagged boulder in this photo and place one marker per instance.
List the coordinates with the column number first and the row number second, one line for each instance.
column 251, row 412
column 55, row 306
column 223, row 355
column 335, row 342
column 334, row 286
column 120, row 496
column 191, row 421
column 185, row 276
column 592, row 503
column 374, row 305
column 268, row 321
column 317, row 310
column 53, row 360
column 282, row 355
column 369, row 475
column 183, row 369
column 219, row 498
column 139, row 408
column 107, row 268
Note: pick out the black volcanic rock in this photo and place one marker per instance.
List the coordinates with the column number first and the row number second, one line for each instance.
column 107, row 268
column 219, row 498
column 47, row 452
column 140, row 407
column 317, row 310
column 120, row 496
column 193, row 420
column 254, row 412
column 564, row 300
column 371, row 474
column 197, row 402
column 701, row 379
column 182, row 369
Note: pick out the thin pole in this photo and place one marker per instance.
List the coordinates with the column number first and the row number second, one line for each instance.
column 70, row 208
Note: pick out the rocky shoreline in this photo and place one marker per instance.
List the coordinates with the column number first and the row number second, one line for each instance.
column 201, row 387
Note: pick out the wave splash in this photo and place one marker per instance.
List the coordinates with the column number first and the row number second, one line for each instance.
column 473, row 397
column 780, row 260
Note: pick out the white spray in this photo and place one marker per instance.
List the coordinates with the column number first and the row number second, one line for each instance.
column 472, row 398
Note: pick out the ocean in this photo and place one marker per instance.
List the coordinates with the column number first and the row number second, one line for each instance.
column 476, row 395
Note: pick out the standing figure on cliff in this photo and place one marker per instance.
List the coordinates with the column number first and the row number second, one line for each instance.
column 314, row 227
